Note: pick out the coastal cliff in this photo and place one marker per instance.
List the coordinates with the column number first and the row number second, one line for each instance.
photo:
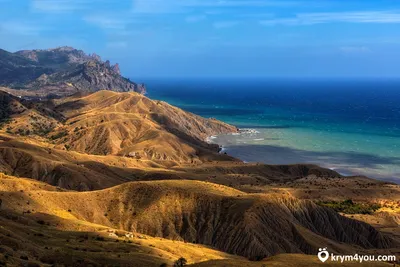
column 61, row 72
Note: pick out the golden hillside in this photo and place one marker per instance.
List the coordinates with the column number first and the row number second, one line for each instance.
column 254, row 226
column 131, row 125
column 26, row 118
column 110, row 123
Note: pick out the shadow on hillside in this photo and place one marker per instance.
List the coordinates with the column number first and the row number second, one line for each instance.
column 201, row 146
column 29, row 239
column 71, row 105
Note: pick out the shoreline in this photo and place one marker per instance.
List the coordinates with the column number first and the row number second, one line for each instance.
column 281, row 155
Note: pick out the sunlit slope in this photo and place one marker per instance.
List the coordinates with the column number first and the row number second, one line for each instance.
column 250, row 225
column 26, row 118
column 286, row 260
column 130, row 124
column 44, row 239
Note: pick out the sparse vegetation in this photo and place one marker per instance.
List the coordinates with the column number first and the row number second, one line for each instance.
column 41, row 222
column 350, row 207
column 181, row 262
column 59, row 135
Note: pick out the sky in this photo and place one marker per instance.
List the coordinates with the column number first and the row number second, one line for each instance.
column 216, row 38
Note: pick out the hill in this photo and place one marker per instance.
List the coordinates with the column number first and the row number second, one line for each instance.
column 251, row 225
column 132, row 125
column 122, row 124
column 61, row 72
column 18, row 116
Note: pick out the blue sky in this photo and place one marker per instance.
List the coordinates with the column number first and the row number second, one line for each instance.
column 216, row 38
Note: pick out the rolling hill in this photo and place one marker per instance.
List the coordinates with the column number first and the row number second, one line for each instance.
column 206, row 216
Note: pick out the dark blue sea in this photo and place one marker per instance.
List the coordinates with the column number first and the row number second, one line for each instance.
column 351, row 126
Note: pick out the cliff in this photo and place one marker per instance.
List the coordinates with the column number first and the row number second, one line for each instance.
column 61, row 72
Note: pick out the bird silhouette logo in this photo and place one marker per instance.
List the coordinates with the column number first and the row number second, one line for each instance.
column 323, row 254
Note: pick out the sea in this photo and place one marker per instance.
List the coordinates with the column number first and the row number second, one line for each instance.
column 351, row 126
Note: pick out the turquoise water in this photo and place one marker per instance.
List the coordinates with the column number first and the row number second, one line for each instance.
column 350, row 126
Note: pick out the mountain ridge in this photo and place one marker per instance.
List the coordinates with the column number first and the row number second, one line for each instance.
column 60, row 72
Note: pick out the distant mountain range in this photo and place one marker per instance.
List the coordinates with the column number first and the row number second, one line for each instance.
column 60, row 72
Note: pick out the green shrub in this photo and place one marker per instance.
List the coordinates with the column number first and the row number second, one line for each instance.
column 59, row 135
column 350, row 207
column 181, row 262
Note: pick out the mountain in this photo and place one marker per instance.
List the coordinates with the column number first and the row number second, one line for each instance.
column 16, row 70
column 58, row 58
column 61, row 72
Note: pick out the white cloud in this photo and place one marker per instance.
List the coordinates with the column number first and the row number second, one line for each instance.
column 355, row 49
column 107, row 22
column 225, row 24
column 158, row 6
column 241, row 3
column 195, row 18
column 58, row 6
column 119, row 44
column 330, row 17
column 21, row 28
column 181, row 6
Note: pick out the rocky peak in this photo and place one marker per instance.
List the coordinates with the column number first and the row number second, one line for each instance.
column 62, row 70
column 116, row 68
column 32, row 55
column 95, row 57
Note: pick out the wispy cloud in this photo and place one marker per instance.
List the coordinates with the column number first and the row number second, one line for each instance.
column 180, row 6
column 118, row 44
column 195, row 18
column 107, row 22
column 331, row 17
column 158, row 6
column 241, row 3
column 21, row 28
column 59, row 6
column 225, row 24
column 355, row 49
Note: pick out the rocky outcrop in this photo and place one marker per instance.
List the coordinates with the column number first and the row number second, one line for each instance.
column 90, row 76
column 116, row 69
column 60, row 72
column 16, row 70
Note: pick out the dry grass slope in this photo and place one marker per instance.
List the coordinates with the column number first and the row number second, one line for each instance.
column 250, row 225
column 130, row 124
